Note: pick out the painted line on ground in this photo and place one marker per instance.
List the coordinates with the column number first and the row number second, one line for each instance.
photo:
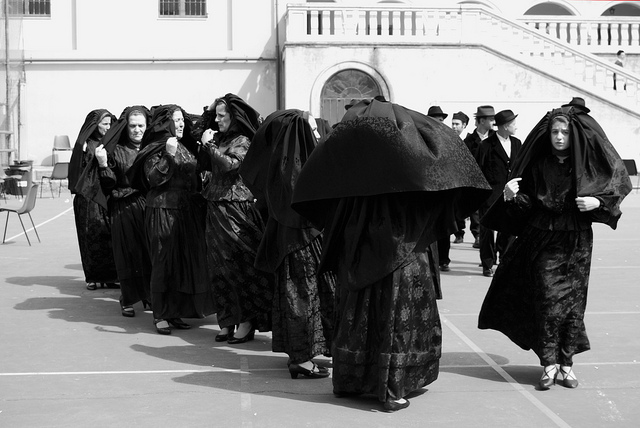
column 469, row 314
column 11, row 238
column 247, row 371
column 511, row 381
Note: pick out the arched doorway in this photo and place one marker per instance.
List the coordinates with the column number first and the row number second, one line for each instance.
column 341, row 88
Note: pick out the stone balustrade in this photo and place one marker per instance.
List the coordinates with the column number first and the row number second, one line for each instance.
column 602, row 35
column 563, row 58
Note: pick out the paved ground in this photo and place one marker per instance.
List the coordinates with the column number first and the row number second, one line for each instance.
column 69, row 359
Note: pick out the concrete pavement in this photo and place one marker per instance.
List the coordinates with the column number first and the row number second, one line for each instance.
column 69, row 359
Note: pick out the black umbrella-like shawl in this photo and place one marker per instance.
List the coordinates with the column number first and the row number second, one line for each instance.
column 387, row 182
column 597, row 167
column 85, row 180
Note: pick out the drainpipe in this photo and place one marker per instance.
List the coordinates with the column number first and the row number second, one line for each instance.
column 276, row 3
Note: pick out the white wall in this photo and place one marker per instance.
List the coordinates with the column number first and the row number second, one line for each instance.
column 456, row 79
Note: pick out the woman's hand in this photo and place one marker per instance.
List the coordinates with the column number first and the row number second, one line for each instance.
column 101, row 156
column 172, row 146
column 587, row 203
column 207, row 136
column 511, row 189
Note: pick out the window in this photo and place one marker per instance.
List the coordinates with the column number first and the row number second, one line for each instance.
column 29, row 7
column 197, row 8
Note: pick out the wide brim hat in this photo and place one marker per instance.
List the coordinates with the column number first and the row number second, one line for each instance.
column 504, row 116
column 578, row 102
column 485, row 111
column 436, row 111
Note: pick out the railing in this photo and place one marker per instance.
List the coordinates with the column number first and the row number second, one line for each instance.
column 392, row 24
column 609, row 33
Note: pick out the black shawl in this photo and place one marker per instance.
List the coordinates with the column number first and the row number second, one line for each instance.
column 159, row 130
column 85, row 180
column 597, row 168
column 245, row 120
column 118, row 134
column 270, row 169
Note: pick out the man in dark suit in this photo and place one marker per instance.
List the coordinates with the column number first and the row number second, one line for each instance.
column 485, row 119
column 495, row 156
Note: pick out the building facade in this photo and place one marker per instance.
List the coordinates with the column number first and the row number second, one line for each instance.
column 64, row 58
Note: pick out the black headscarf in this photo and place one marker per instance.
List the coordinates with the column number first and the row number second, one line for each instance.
column 88, row 130
column 118, row 134
column 270, row 169
column 245, row 120
column 597, row 168
column 159, row 130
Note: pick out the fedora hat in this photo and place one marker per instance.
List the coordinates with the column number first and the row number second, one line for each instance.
column 485, row 111
column 578, row 102
column 436, row 111
column 505, row 116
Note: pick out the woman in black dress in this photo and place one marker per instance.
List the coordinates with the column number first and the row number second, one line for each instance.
column 567, row 176
column 303, row 303
column 234, row 226
column 115, row 155
column 385, row 184
column 166, row 170
column 90, row 204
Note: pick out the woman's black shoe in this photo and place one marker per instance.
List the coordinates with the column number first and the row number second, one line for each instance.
column 315, row 373
column 127, row 310
column 178, row 323
column 392, row 405
column 224, row 337
column 160, row 326
column 113, row 285
column 146, row 305
column 247, row 337
column 92, row 286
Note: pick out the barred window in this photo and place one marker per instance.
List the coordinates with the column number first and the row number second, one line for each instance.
column 29, row 7
column 197, row 8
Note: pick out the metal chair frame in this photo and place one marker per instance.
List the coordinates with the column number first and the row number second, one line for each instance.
column 27, row 206
column 60, row 172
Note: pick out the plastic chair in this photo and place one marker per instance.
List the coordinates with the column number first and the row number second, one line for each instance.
column 61, row 143
column 60, row 172
column 26, row 208
column 632, row 170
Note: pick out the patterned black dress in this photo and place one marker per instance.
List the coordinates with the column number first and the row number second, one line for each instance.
column 126, row 210
column 174, row 228
column 234, row 229
column 93, row 225
column 539, row 293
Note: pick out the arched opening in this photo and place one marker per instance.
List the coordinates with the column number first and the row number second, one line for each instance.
column 623, row 9
column 548, row 8
column 341, row 88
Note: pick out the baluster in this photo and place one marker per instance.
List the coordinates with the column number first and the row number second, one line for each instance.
column 634, row 39
column 601, row 76
column 325, row 24
column 407, row 17
column 372, row 23
column 573, row 33
column 396, row 23
column 552, row 29
column 313, row 24
column 384, row 22
column 562, row 32
column 430, row 24
column 624, row 35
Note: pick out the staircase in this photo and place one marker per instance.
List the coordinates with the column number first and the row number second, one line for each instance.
column 477, row 26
